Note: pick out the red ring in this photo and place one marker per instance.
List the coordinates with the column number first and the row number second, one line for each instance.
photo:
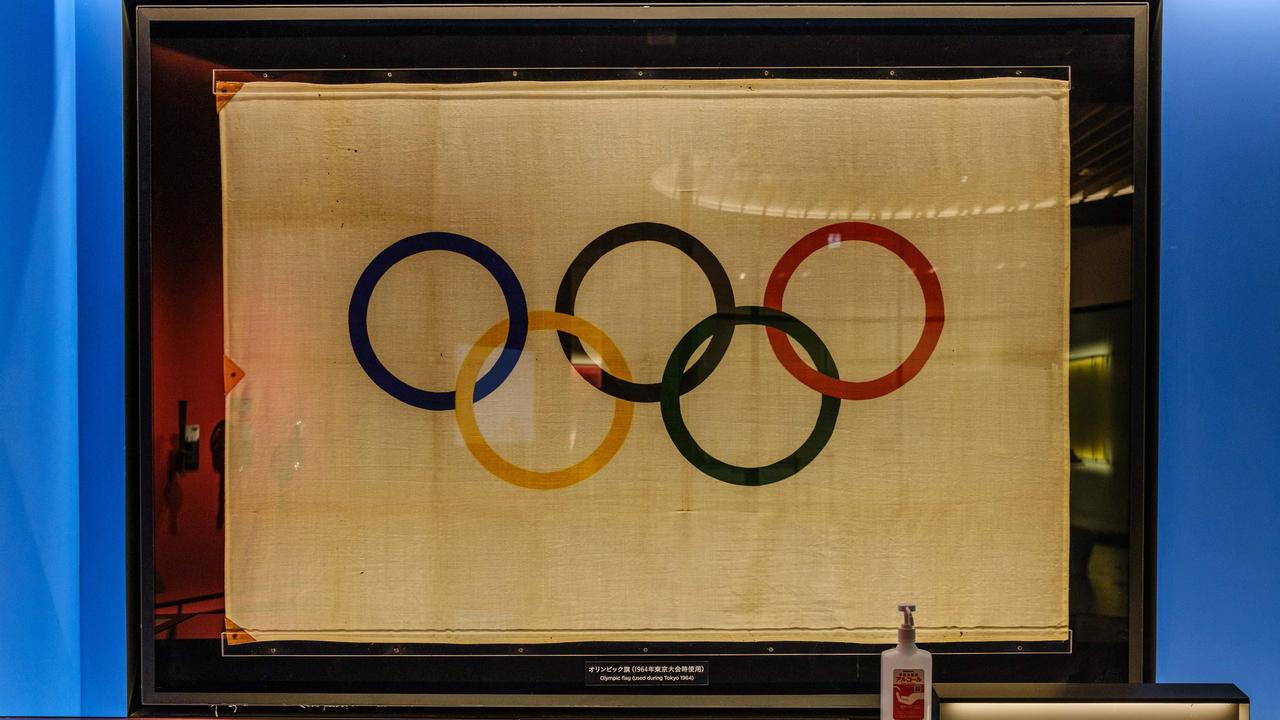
column 894, row 243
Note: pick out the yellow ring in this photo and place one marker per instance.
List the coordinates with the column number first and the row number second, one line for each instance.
column 465, row 411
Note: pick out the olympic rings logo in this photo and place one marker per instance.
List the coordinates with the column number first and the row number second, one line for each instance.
column 615, row 377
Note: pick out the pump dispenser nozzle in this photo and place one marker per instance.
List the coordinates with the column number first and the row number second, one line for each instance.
column 907, row 631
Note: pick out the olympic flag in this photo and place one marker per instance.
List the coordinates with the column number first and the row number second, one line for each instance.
column 646, row 360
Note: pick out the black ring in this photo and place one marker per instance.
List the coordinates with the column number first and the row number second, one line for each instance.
column 721, row 290
column 773, row 472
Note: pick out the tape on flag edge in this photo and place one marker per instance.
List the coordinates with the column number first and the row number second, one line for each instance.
column 232, row 374
column 224, row 90
column 236, row 635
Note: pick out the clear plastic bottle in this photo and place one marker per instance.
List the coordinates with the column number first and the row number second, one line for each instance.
column 906, row 675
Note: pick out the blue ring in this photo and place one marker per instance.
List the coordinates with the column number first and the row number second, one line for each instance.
column 358, row 317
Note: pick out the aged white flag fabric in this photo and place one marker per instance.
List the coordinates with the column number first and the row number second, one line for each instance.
column 646, row 360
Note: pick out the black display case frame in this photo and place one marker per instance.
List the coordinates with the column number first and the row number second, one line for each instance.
column 806, row 698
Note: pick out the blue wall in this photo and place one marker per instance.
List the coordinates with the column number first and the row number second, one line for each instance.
column 1218, row 609
column 61, row 489
column 100, row 316
column 39, row 472
column 61, row 429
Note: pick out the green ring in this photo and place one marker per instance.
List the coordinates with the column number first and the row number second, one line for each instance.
column 679, row 432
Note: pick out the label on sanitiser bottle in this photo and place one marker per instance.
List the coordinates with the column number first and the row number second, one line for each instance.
column 908, row 694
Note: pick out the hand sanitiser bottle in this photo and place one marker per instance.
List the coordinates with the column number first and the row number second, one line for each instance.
column 906, row 675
